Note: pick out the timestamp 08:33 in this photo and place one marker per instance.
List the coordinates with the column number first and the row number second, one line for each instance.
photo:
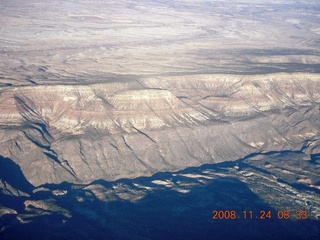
column 262, row 214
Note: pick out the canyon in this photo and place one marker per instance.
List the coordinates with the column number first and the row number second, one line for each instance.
column 139, row 119
column 82, row 133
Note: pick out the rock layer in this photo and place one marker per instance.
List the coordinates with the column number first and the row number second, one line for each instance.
column 81, row 133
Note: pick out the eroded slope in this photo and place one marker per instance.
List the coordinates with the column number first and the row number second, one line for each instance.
column 81, row 133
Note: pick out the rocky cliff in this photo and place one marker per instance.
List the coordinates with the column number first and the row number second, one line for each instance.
column 125, row 129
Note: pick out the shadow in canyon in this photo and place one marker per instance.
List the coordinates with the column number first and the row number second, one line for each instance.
column 11, row 173
column 161, row 212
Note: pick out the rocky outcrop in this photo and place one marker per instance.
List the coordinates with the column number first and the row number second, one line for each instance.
column 81, row 133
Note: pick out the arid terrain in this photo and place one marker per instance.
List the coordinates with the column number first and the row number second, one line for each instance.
column 114, row 112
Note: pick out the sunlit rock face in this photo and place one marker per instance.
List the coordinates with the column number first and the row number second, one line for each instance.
column 81, row 133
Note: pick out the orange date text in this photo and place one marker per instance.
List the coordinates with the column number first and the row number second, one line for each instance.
column 261, row 215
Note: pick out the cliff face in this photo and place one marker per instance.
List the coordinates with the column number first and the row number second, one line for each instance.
column 81, row 133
